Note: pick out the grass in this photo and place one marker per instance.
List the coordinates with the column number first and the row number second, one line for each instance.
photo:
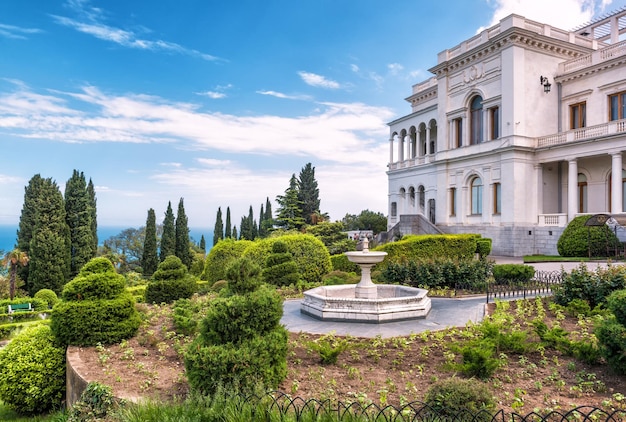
column 6, row 414
column 553, row 258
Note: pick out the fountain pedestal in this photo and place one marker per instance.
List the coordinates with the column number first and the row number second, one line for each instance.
column 366, row 301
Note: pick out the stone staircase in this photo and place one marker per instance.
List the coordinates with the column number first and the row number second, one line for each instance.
column 408, row 224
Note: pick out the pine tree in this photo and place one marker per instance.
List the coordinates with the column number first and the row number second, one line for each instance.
column 254, row 230
column 91, row 191
column 262, row 228
column 218, row 231
column 235, row 232
column 49, row 250
column 182, row 249
column 27, row 220
column 228, row 233
column 244, row 229
column 149, row 258
column 202, row 244
column 78, row 215
column 168, row 238
column 289, row 214
column 308, row 193
column 268, row 218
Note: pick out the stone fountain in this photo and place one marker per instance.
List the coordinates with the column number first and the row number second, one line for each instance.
column 366, row 301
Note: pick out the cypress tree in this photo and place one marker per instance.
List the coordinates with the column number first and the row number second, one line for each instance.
column 244, row 229
column 78, row 215
column 268, row 218
column 262, row 228
column 182, row 249
column 228, row 233
column 91, row 191
column 289, row 214
column 308, row 193
column 218, row 231
column 168, row 238
column 202, row 244
column 50, row 245
column 254, row 231
column 27, row 220
column 149, row 258
column 235, row 232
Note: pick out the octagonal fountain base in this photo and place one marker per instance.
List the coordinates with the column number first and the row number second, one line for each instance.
column 391, row 303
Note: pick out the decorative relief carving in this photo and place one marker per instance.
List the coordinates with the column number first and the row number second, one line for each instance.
column 474, row 72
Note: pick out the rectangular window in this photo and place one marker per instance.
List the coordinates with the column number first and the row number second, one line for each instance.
column 394, row 209
column 452, row 202
column 497, row 198
column 578, row 115
column 617, row 106
column 494, row 114
column 458, row 132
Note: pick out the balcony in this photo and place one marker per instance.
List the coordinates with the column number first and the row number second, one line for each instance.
column 595, row 58
column 591, row 132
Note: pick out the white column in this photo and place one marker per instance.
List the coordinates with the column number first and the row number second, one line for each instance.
column 390, row 151
column 616, row 183
column 400, row 148
column 451, row 134
column 572, row 189
column 539, row 178
column 428, row 151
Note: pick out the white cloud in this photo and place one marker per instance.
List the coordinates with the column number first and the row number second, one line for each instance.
column 563, row 14
column 213, row 94
column 90, row 22
column 176, row 165
column 318, row 80
column 395, row 68
column 284, row 96
column 354, row 68
column 16, row 32
column 337, row 132
column 212, row 162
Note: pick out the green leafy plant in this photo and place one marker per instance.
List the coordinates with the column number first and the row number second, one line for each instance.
column 95, row 404
column 579, row 240
column 48, row 296
column 329, row 348
column 170, row 282
column 452, row 397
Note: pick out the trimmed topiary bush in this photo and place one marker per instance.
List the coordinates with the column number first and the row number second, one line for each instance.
column 33, row 371
column 578, row 240
column 513, row 272
column 221, row 256
column 483, row 247
column 453, row 397
column 170, row 282
column 334, row 278
column 95, row 308
column 309, row 254
column 280, row 268
column 48, row 296
column 341, row 262
column 241, row 344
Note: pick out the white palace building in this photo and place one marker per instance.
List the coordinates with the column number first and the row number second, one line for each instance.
column 521, row 128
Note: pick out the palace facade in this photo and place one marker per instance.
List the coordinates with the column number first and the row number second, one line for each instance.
column 521, row 128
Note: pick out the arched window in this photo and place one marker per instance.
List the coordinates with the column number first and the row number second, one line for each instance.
column 433, row 137
column 477, row 195
column 412, row 197
column 422, row 197
column 582, row 193
column 476, row 120
column 422, row 131
column 413, row 137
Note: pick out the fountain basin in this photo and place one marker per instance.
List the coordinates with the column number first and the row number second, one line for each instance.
column 391, row 303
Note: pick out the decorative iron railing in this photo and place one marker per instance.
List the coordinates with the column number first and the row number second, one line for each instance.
column 541, row 284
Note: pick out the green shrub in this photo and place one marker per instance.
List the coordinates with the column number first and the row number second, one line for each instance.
column 329, row 348
column 440, row 273
column 590, row 286
column 220, row 257
column 428, row 247
column 170, row 282
column 339, row 277
column 452, row 397
column 280, row 268
column 96, row 308
column 612, row 338
column 219, row 285
column 578, row 307
column 513, row 272
column 309, row 253
column 616, row 302
column 241, row 343
column 138, row 292
column 95, row 403
column 577, row 240
column 342, row 263
column 187, row 315
column 48, row 296
column 483, row 247
column 478, row 361
column 33, row 371
column 587, row 351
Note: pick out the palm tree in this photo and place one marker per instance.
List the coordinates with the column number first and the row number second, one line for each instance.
column 12, row 259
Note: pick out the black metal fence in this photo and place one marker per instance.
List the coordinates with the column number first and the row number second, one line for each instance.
column 287, row 408
column 540, row 285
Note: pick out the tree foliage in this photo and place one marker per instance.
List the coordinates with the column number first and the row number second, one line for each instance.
column 170, row 282
column 91, row 191
column 78, row 214
column 32, row 191
column 149, row 257
column 218, row 230
column 125, row 249
column 308, row 193
column 14, row 259
column 182, row 246
column 366, row 220
column 579, row 240
column 228, row 230
column 168, row 238
column 289, row 213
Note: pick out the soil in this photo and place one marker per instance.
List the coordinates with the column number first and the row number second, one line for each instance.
column 382, row 371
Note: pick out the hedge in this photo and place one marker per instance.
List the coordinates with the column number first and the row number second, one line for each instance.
column 220, row 256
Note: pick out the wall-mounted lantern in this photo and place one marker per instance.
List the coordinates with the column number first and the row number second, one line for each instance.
column 543, row 80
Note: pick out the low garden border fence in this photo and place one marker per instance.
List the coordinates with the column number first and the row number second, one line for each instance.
column 299, row 409
column 540, row 285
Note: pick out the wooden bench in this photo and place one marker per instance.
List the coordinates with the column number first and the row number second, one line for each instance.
column 20, row 307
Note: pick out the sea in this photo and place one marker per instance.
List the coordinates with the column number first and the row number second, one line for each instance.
column 8, row 235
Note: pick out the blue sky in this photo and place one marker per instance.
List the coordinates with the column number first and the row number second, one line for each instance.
column 220, row 102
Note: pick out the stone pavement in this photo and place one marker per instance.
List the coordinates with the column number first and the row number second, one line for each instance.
column 445, row 312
